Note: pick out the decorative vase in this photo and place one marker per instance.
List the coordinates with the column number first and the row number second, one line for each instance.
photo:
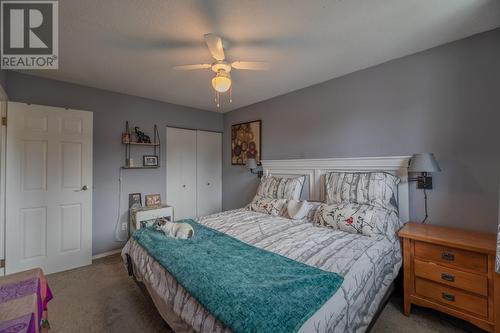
column 125, row 138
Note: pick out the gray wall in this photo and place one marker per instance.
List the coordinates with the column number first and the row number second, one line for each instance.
column 445, row 100
column 110, row 112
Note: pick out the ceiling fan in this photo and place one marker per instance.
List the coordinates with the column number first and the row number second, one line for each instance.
column 222, row 68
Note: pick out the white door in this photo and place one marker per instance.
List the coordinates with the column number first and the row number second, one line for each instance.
column 48, row 188
column 181, row 172
column 3, row 113
column 209, row 172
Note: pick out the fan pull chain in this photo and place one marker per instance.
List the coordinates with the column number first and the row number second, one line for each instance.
column 218, row 99
column 231, row 94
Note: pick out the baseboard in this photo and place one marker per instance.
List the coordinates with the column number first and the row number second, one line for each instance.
column 106, row 254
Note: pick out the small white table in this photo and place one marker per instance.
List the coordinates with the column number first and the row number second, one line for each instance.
column 143, row 214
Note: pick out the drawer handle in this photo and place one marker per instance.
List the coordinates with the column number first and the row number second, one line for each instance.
column 447, row 256
column 448, row 277
column 449, row 297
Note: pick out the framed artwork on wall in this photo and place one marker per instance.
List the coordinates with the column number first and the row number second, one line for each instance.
column 246, row 142
column 150, row 160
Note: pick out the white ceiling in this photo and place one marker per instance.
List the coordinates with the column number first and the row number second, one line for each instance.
column 130, row 46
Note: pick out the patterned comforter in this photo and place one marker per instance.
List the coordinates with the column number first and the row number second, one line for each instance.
column 368, row 264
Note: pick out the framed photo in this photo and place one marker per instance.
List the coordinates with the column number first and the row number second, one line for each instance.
column 134, row 200
column 246, row 142
column 153, row 200
column 150, row 160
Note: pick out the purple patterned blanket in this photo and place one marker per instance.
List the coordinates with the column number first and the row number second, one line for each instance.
column 23, row 302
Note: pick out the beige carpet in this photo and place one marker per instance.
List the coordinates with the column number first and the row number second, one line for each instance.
column 102, row 298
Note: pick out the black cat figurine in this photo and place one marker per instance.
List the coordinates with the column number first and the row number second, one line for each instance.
column 141, row 136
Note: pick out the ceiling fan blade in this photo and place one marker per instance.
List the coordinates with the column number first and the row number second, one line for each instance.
column 215, row 47
column 191, row 67
column 251, row 65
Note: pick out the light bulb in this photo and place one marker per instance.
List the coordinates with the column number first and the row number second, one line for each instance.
column 221, row 82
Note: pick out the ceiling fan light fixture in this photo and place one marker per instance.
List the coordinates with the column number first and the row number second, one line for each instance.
column 221, row 82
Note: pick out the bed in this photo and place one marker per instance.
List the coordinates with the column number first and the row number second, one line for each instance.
column 368, row 265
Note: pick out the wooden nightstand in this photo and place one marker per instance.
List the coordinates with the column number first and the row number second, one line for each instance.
column 452, row 271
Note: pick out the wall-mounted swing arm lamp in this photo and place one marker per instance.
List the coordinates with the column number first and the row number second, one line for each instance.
column 424, row 163
column 254, row 167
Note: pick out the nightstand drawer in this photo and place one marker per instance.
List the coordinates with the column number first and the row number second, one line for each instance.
column 452, row 297
column 467, row 281
column 460, row 258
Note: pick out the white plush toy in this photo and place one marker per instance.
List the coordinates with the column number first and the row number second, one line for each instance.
column 176, row 230
column 297, row 210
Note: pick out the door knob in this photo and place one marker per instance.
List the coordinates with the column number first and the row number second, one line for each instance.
column 84, row 188
column 183, row 185
column 208, row 184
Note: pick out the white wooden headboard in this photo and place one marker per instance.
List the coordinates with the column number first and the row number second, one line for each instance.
column 315, row 169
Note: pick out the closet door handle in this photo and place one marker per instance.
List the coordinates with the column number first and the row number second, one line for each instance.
column 184, row 185
column 208, row 184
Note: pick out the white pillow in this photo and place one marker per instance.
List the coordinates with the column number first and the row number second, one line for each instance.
column 313, row 208
column 297, row 210
column 281, row 187
column 365, row 188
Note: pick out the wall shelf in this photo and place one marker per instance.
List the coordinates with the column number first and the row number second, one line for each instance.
column 155, row 144
column 140, row 167
column 143, row 144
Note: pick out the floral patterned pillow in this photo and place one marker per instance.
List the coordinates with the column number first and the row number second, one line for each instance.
column 281, row 187
column 359, row 219
column 352, row 218
column 274, row 207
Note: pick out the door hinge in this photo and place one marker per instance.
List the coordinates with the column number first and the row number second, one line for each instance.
column 4, row 121
column 2, row 263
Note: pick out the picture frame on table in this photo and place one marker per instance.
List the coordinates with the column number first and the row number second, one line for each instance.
column 134, row 200
column 153, row 200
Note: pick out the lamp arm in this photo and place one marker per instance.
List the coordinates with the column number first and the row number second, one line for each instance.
column 423, row 182
column 257, row 172
column 425, row 204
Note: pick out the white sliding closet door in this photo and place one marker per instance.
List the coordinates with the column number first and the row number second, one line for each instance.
column 181, row 172
column 209, row 169
column 194, row 172
column 49, row 188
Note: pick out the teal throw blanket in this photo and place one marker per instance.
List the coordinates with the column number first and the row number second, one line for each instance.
column 246, row 288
